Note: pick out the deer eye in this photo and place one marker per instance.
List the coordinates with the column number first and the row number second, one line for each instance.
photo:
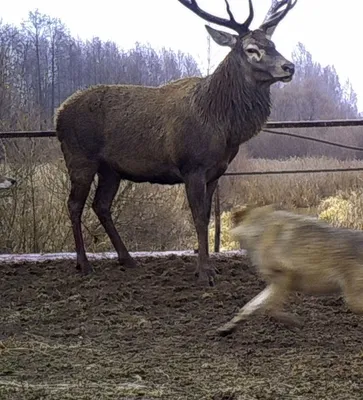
column 253, row 50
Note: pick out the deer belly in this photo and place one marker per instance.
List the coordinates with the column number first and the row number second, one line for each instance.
column 147, row 171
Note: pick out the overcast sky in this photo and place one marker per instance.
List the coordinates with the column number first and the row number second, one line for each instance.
column 330, row 29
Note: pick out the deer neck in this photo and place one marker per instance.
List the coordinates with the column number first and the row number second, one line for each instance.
column 233, row 101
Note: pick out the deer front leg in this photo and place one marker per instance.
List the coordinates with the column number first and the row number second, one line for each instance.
column 196, row 190
column 271, row 299
column 211, row 187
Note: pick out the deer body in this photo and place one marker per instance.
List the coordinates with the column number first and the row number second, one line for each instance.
column 187, row 131
column 198, row 135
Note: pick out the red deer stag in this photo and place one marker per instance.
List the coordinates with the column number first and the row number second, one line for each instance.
column 6, row 183
column 187, row 131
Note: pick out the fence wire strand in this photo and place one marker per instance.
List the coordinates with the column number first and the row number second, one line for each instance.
column 295, row 135
column 293, row 171
column 284, row 125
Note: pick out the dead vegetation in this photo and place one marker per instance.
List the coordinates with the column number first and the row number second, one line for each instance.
column 154, row 217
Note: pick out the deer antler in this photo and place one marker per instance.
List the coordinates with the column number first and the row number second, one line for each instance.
column 274, row 16
column 241, row 29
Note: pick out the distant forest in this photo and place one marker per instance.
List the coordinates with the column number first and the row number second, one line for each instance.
column 41, row 64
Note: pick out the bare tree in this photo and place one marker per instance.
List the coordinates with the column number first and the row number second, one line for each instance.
column 37, row 30
column 187, row 131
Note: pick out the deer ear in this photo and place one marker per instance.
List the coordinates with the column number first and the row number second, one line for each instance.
column 221, row 38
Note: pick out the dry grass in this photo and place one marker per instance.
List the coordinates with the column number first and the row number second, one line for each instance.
column 345, row 209
column 35, row 215
column 35, row 218
column 290, row 190
column 226, row 242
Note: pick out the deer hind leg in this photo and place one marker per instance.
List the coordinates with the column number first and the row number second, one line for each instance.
column 196, row 190
column 108, row 184
column 270, row 300
column 81, row 180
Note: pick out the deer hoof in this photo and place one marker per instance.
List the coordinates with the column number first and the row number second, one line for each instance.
column 128, row 262
column 84, row 268
column 206, row 275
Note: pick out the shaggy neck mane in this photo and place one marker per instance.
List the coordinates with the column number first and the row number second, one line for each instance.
column 234, row 102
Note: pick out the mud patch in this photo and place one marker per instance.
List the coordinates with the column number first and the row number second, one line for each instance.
column 148, row 333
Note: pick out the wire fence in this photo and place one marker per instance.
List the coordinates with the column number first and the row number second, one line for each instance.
column 270, row 128
column 268, row 125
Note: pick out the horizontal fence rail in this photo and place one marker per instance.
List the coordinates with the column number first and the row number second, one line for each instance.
column 314, row 124
column 27, row 134
column 273, row 125
column 292, row 171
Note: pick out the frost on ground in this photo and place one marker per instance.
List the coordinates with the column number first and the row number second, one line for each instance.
column 41, row 257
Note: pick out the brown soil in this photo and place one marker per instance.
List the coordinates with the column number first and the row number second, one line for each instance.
column 148, row 333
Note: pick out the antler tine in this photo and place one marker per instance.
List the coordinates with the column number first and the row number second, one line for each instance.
column 241, row 29
column 250, row 16
column 249, row 19
column 274, row 16
column 231, row 17
column 275, row 5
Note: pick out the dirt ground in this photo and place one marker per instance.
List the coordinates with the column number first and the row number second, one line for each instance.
column 148, row 333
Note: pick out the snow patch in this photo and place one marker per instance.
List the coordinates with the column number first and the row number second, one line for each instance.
column 42, row 257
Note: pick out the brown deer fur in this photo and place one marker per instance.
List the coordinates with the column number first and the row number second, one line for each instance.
column 187, row 131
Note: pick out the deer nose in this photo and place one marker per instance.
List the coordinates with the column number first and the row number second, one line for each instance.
column 13, row 181
column 289, row 68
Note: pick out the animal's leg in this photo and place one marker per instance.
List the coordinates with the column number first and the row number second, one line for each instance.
column 196, row 190
column 211, row 187
column 108, row 184
column 353, row 295
column 270, row 300
column 286, row 318
column 258, row 303
column 81, row 181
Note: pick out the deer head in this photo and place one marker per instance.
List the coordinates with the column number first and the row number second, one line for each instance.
column 253, row 49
